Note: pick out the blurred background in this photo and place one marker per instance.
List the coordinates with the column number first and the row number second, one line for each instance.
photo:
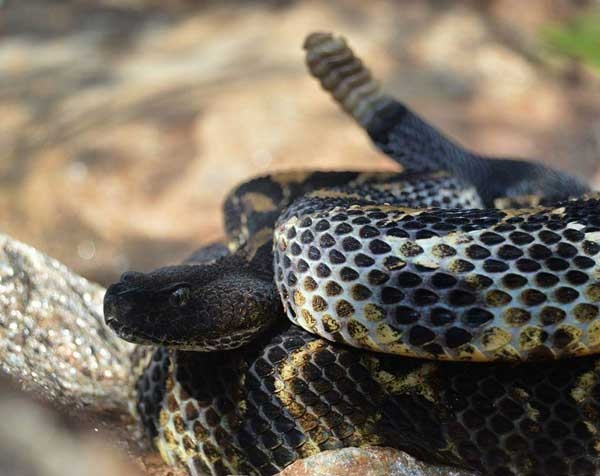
column 124, row 123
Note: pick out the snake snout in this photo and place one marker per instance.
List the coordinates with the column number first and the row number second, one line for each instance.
column 116, row 304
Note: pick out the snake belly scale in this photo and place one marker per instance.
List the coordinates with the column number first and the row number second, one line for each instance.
column 494, row 262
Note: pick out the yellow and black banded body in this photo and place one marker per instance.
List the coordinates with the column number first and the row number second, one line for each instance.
column 458, row 257
column 459, row 285
column 291, row 394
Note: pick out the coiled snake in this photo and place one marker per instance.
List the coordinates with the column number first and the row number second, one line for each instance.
column 458, row 257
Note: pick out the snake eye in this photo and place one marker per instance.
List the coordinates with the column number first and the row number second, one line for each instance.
column 180, row 296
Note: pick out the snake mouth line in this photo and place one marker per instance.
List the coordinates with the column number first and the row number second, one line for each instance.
column 210, row 342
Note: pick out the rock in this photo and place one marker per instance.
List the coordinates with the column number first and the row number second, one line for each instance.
column 35, row 441
column 367, row 461
column 53, row 339
column 65, row 378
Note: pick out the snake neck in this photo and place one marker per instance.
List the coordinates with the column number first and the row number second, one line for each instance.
column 418, row 146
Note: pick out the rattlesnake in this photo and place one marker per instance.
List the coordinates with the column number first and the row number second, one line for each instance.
column 458, row 257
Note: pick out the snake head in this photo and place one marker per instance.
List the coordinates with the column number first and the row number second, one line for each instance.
column 191, row 307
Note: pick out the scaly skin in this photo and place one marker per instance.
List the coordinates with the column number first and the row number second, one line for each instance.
column 421, row 263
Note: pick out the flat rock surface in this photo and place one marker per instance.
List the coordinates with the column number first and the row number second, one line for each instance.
column 367, row 461
column 124, row 123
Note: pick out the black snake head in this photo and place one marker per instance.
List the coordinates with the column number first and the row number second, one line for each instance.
column 191, row 307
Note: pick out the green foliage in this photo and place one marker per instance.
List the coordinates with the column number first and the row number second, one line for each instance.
column 578, row 39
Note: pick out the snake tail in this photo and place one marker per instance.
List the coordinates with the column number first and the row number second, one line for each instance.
column 345, row 76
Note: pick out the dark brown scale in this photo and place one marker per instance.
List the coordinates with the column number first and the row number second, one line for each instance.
column 302, row 266
column 344, row 309
column 456, row 336
column 476, row 317
column 314, row 253
column 590, row 248
column 562, row 338
column 377, row 278
column 539, row 252
column 360, row 292
column 322, row 225
column 369, row 232
column 291, row 233
column 514, row 281
column 326, row 241
column 509, row 252
column 490, row 238
column 443, row 280
column 549, row 237
column 391, row 295
column 440, row 316
column 533, row 297
column 546, row 280
column 333, row 289
column 504, row 228
column 424, row 234
column 291, row 279
column 392, row 263
column 494, row 266
column 406, row 315
column 307, row 237
column 557, row 264
column 461, row 298
column 336, row 257
column 343, row 229
column 461, row 266
column 348, row 274
column 420, row 335
column 378, row 247
column 424, row 297
column 323, row 271
column 361, row 221
column 339, row 217
column 573, row 236
column 566, row 295
column 565, row 250
column 363, row 260
column 399, row 233
column 527, row 265
column 520, row 238
column 583, row 262
column 351, row 244
column 305, row 222
column 408, row 280
column 577, row 278
column 477, row 252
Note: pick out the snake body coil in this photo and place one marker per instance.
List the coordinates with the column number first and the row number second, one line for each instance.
column 426, row 263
